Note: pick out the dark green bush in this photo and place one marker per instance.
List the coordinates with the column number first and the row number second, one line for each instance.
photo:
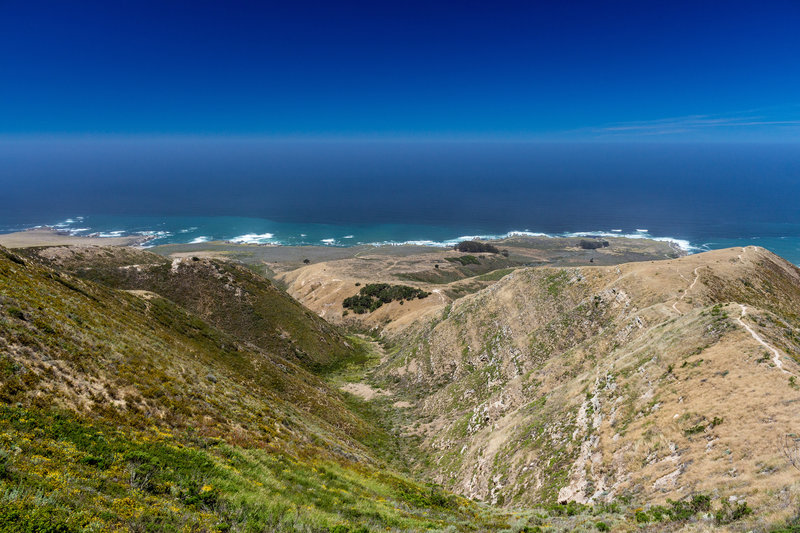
column 593, row 244
column 567, row 509
column 658, row 512
column 729, row 513
column 374, row 295
column 16, row 313
column 35, row 519
column 684, row 510
column 699, row 428
column 5, row 463
column 476, row 247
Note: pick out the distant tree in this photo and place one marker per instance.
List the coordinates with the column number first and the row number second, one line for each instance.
column 374, row 295
column 476, row 247
column 593, row 244
column 306, row 261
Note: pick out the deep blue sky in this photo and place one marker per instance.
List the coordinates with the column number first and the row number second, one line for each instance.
column 708, row 70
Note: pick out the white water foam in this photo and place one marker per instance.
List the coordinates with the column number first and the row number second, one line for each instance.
column 328, row 241
column 198, row 240
column 253, row 238
column 156, row 234
column 683, row 244
column 109, row 234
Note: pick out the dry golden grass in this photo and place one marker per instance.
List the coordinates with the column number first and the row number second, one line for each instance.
column 595, row 383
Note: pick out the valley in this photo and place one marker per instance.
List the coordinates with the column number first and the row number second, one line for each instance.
column 529, row 390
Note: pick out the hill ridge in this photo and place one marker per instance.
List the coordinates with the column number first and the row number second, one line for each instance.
column 526, row 349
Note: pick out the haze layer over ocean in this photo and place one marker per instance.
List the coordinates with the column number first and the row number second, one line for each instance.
column 348, row 192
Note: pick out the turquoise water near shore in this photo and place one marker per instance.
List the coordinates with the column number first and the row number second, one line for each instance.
column 177, row 229
column 702, row 196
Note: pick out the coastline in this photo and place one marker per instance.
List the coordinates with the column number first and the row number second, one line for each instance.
column 115, row 231
column 51, row 236
column 526, row 248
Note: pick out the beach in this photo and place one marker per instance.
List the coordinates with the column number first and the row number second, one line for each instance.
column 45, row 236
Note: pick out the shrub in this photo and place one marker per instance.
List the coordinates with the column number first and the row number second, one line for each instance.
column 5, row 463
column 684, row 510
column 657, row 512
column 729, row 513
column 141, row 468
column 699, row 428
column 700, row 503
column 16, row 312
column 570, row 508
column 602, row 526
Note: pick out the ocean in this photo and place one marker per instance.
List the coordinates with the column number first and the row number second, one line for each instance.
column 343, row 193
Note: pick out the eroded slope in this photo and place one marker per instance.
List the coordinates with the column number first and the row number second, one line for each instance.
column 645, row 380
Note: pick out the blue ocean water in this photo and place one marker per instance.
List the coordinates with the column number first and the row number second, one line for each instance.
column 342, row 193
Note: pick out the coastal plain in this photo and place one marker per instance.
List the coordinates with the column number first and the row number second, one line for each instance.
column 322, row 277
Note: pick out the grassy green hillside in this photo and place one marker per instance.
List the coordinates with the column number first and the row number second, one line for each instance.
column 226, row 295
column 123, row 411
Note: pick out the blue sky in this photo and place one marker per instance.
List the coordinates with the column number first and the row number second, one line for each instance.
column 674, row 70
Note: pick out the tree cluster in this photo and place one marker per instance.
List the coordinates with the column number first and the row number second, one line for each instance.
column 594, row 244
column 476, row 247
column 374, row 295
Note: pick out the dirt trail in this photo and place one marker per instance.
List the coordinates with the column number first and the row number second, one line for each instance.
column 691, row 286
column 776, row 355
column 744, row 250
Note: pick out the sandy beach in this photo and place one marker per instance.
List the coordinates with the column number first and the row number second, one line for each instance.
column 51, row 237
